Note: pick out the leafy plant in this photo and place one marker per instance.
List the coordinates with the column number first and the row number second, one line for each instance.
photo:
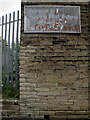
column 9, row 91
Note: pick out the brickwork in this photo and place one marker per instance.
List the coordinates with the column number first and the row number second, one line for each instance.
column 54, row 71
column 10, row 109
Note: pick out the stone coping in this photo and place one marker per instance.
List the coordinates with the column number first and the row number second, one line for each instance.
column 55, row 0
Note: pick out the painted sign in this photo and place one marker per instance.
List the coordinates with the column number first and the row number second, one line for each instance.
column 62, row 19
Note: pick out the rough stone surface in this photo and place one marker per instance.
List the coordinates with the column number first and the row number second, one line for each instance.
column 10, row 108
column 54, row 71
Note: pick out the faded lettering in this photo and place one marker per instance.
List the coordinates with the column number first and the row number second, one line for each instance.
column 63, row 19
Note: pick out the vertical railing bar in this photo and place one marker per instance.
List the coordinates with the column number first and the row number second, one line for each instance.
column 8, row 52
column 12, row 50
column 5, row 47
column 16, row 55
column 1, row 55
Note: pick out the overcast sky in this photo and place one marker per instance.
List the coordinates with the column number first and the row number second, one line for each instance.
column 8, row 6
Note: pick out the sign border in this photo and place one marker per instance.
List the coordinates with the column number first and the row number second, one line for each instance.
column 28, row 31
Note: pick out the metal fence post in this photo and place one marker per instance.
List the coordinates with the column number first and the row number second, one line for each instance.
column 1, row 39
column 1, row 42
column 8, row 52
column 1, row 56
column 16, row 55
column 12, row 49
column 5, row 47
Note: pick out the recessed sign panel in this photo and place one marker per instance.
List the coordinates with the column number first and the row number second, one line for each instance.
column 44, row 19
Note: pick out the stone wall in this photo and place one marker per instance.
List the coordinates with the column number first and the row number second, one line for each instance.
column 54, row 71
column 10, row 109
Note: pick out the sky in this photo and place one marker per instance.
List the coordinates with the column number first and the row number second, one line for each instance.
column 8, row 6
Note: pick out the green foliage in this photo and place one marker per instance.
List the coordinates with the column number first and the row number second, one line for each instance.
column 9, row 91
